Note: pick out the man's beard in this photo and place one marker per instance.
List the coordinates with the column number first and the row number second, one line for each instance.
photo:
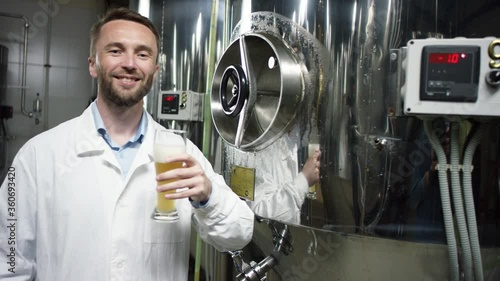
column 112, row 96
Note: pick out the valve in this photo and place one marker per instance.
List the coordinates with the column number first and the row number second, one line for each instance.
column 257, row 271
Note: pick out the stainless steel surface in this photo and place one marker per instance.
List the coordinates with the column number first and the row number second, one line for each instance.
column 282, row 240
column 332, row 56
column 268, row 89
column 374, row 160
column 373, row 193
column 289, row 66
column 184, row 28
column 324, row 255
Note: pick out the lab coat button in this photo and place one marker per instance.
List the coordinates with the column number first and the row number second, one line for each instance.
column 119, row 265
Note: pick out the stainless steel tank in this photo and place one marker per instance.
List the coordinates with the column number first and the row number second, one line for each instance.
column 297, row 74
column 327, row 89
column 184, row 28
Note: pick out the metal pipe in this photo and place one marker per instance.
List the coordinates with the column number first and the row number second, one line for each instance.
column 256, row 272
column 25, row 60
column 207, row 124
column 47, row 66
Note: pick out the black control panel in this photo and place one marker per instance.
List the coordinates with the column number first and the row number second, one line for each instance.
column 450, row 73
column 170, row 104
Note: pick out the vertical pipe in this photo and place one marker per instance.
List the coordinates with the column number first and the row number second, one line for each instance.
column 47, row 71
column 436, row 18
column 25, row 61
column 207, row 123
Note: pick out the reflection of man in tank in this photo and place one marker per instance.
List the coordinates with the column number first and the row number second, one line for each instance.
column 280, row 189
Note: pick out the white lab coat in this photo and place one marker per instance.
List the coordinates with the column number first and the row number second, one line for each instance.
column 77, row 219
column 280, row 189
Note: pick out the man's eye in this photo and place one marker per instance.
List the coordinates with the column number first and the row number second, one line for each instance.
column 114, row 51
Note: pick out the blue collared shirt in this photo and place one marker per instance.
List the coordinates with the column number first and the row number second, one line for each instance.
column 126, row 153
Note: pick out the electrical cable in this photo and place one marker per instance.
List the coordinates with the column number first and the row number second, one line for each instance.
column 469, row 202
column 445, row 201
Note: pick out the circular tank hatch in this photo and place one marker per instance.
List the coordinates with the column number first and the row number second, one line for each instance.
column 256, row 91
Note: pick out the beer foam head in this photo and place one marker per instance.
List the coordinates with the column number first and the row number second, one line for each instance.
column 167, row 144
column 161, row 151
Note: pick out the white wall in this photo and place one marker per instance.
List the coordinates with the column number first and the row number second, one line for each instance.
column 65, row 86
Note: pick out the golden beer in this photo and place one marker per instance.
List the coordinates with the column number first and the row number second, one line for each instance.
column 167, row 143
column 163, row 204
column 166, row 207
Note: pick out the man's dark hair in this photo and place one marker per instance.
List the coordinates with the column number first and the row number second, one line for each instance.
column 120, row 14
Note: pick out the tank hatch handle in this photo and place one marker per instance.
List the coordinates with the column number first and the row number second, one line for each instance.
column 249, row 102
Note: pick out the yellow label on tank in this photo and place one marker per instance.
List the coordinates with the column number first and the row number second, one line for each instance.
column 243, row 182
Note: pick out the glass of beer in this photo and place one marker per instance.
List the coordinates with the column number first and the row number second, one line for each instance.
column 167, row 143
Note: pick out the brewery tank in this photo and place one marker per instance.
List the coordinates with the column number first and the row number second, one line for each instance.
column 184, row 58
column 340, row 100
column 302, row 74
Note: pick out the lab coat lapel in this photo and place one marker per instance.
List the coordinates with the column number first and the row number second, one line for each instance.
column 90, row 143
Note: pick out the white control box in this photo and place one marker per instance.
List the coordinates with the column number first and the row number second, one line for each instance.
column 452, row 77
column 180, row 105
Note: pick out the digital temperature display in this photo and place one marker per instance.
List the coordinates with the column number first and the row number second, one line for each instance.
column 170, row 104
column 449, row 73
column 446, row 58
column 169, row 98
